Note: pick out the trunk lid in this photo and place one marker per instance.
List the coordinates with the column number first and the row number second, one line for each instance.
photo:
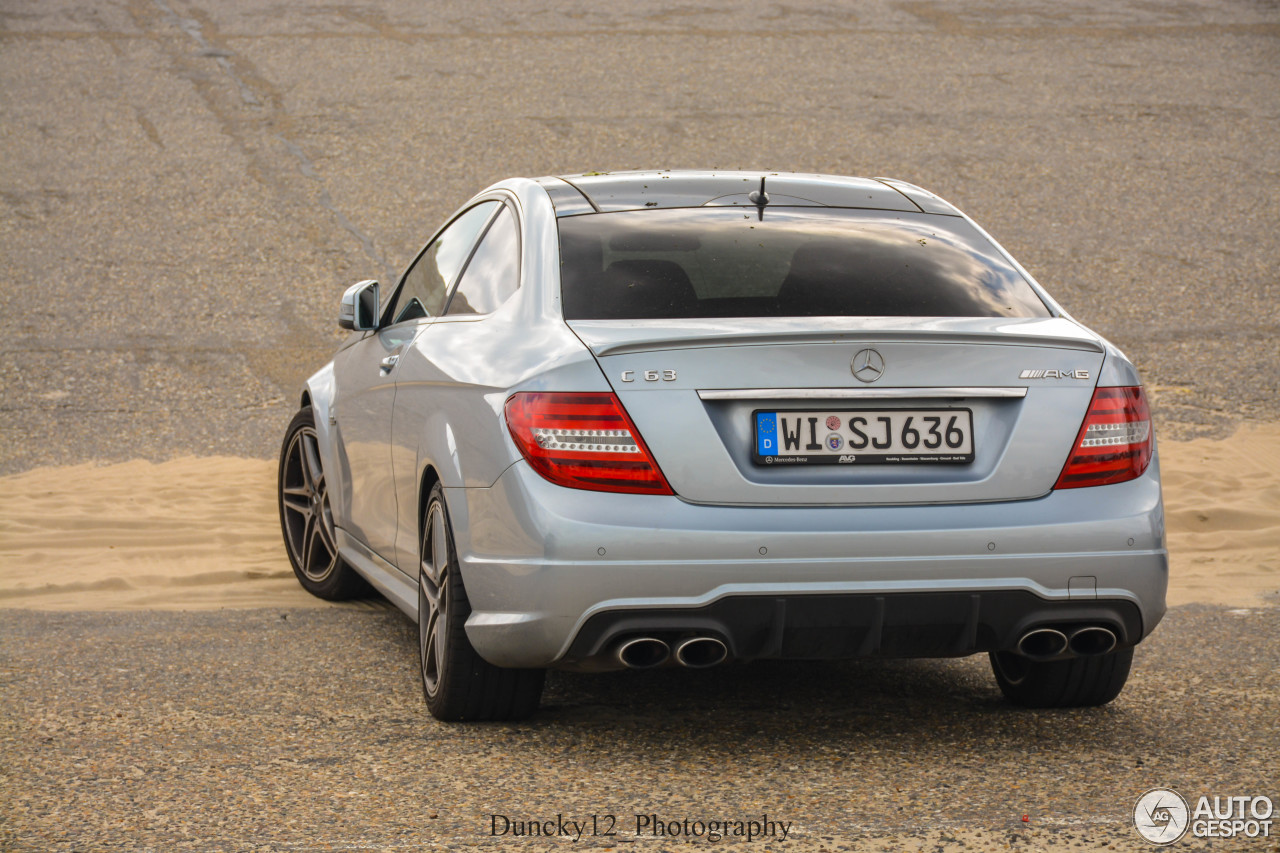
column 694, row 389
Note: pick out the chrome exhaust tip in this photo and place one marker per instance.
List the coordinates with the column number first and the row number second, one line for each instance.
column 643, row 653
column 1042, row 644
column 701, row 652
column 1093, row 640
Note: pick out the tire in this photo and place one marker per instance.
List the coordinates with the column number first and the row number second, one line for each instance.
column 457, row 683
column 306, row 520
column 1072, row 683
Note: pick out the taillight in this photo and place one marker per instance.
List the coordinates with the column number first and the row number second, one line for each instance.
column 1114, row 443
column 583, row 441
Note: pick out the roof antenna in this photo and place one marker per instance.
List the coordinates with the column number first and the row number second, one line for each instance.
column 759, row 198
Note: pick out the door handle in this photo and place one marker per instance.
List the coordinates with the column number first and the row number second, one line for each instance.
column 389, row 362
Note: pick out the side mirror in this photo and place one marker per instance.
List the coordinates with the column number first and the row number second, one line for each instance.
column 359, row 309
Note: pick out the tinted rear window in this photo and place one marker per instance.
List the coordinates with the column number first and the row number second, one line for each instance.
column 796, row 262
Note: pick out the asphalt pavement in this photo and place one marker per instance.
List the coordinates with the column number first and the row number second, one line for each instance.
column 306, row 730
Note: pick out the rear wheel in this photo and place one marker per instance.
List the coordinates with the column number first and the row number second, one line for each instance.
column 306, row 519
column 1071, row 683
column 459, row 684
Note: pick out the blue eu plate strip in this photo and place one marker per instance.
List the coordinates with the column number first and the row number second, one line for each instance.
column 766, row 434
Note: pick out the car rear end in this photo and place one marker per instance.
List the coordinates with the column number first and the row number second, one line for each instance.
column 822, row 432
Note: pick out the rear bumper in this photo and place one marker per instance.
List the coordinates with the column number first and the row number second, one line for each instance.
column 840, row 625
column 555, row 576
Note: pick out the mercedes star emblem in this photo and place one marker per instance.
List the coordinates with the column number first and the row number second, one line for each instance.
column 867, row 365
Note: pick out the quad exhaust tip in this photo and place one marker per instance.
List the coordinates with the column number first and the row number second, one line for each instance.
column 1049, row 643
column 1093, row 640
column 701, row 652
column 643, row 653
column 1042, row 643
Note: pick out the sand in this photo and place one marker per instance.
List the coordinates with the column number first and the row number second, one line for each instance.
column 1222, row 513
column 191, row 533
column 202, row 533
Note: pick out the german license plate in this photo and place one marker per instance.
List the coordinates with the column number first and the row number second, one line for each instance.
column 863, row 437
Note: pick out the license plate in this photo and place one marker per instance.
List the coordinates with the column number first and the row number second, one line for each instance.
column 863, row 437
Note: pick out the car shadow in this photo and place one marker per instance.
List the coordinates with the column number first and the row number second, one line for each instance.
column 806, row 706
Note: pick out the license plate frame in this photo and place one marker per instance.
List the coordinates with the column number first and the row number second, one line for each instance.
column 900, row 422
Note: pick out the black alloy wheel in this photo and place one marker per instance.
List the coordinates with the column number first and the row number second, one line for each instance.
column 457, row 683
column 306, row 518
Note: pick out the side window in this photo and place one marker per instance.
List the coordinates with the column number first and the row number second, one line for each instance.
column 425, row 284
column 494, row 271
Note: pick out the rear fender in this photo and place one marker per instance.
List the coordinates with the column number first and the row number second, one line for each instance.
column 461, row 427
column 1117, row 370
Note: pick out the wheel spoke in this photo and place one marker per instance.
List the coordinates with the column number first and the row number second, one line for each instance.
column 428, row 601
column 311, row 462
column 308, row 544
column 439, row 543
column 429, row 591
column 300, row 504
column 429, row 651
column 434, row 578
column 296, row 467
column 322, row 566
column 440, row 626
column 429, row 638
column 434, row 548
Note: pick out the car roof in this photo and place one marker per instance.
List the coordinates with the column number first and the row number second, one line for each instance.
column 609, row 192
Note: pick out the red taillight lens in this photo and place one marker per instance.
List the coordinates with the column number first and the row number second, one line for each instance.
column 583, row 441
column 1114, row 443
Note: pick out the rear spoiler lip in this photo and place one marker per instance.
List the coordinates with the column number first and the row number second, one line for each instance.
column 926, row 392
column 616, row 337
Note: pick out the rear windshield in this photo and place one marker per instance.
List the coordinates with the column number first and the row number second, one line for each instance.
column 795, row 262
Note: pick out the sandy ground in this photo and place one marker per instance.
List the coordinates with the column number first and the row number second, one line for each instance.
column 200, row 533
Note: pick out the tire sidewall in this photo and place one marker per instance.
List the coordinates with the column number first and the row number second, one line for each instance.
column 1069, row 683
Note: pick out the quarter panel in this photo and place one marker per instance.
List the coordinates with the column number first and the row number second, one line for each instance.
column 1117, row 370
column 454, row 384
column 457, row 376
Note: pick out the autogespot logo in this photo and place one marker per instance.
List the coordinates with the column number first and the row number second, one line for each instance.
column 1161, row 816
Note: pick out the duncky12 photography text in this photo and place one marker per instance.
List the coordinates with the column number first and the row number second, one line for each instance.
column 637, row 826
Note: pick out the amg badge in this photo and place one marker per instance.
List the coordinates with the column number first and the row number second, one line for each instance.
column 1054, row 374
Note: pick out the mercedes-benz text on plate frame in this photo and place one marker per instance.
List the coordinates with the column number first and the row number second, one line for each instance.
column 693, row 419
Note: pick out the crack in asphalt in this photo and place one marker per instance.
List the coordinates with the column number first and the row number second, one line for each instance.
column 308, row 170
column 222, row 56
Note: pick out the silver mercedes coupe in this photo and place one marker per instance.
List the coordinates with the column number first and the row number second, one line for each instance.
column 696, row 418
